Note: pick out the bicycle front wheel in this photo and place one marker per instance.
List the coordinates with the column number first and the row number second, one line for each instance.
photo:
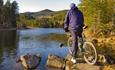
column 90, row 54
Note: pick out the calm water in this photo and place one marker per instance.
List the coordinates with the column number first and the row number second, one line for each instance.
column 32, row 41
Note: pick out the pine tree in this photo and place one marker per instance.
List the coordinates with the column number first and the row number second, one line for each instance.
column 1, row 6
column 14, row 13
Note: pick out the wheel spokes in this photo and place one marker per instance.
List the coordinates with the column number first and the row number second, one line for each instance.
column 90, row 53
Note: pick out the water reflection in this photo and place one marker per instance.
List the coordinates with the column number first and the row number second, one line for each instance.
column 8, row 43
column 31, row 41
column 44, row 41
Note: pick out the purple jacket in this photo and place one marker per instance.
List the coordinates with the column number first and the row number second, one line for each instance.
column 74, row 19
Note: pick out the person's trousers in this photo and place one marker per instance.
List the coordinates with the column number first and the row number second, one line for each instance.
column 75, row 34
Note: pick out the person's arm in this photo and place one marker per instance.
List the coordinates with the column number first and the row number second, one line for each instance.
column 66, row 22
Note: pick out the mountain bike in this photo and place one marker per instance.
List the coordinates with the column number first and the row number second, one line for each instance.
column 86, row 48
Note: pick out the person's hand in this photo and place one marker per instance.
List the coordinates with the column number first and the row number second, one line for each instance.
column 66, row 29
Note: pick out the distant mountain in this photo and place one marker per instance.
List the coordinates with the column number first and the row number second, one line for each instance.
column 45, row 12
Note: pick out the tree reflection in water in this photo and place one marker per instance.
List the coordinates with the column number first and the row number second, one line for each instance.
column 8, row 42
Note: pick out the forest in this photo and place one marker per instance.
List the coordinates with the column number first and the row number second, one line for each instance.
column 8, row 14
column 43, row 19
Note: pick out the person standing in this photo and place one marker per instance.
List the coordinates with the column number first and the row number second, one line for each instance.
column 74, row 22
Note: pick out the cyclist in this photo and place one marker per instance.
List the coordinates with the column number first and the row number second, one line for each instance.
column 74, row 22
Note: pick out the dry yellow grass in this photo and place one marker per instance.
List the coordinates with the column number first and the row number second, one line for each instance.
column 110, row 67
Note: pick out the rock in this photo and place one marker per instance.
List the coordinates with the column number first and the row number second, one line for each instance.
column 81, row 66
column 30, row 61
column 79, row 60
column 55, row 61
column 51, row 68
column 66, row 64
column 70, row 66
column 105, row 59
column 101, row 59
column 61, row 44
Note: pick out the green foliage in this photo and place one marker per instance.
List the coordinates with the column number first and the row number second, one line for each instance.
column 52, row 20
column 102, row 9
column 98, row 14
column 8, row 14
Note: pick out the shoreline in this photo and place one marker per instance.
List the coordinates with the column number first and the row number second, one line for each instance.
column 3, row 29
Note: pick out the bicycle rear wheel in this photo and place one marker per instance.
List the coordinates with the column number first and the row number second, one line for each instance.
column 69, row 42
column 90, row 54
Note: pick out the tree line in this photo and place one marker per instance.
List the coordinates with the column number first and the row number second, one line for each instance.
column 8, row 14
column 99, row 16
column 50, row 21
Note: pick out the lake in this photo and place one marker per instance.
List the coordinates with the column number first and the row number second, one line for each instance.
column 14, row 43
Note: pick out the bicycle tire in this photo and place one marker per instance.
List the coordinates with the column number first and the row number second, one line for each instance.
column 69, row 42
column 93, row 49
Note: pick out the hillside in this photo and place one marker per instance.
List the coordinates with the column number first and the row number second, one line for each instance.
column 45, row 12
column 45, row 18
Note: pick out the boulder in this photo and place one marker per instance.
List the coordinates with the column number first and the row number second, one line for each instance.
column 29, row 61
column 101, row 59
column 70, row 66
column 66, row 64
column 79, row 60
column 81, row 66
column 105, row 59
column 55, row 61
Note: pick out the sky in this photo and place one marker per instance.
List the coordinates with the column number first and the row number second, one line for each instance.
column 38, row 5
